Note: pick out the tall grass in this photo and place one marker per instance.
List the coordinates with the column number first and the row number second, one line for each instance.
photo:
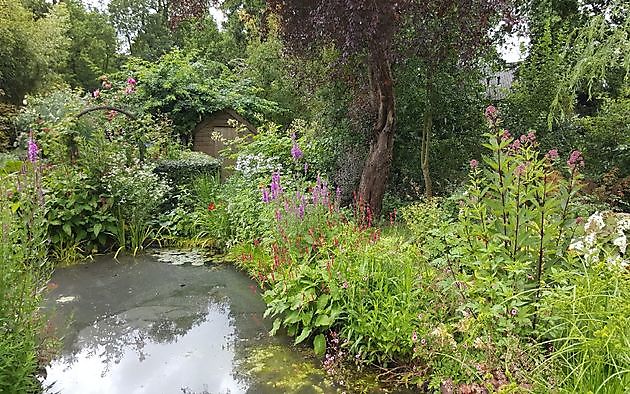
column 590, row 331
column 23, row 273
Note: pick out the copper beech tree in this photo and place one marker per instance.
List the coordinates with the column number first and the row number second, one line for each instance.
column 373, row 30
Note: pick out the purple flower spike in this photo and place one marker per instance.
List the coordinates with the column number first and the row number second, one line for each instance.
column 265, row 195
column 276, row 189
column 296, row 152
column 33, row 150
column 301, row 211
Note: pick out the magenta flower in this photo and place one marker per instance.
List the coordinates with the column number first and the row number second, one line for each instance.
column 296, row 152
column 96, row 93
column 514, row 311
column 265, row 195
column 131, row 81
column 129, row 89
column 33, row 150
column 414, row 336
column 276, row 189
column 474, row 164
column 506, row 135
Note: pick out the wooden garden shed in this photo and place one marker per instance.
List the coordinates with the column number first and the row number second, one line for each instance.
column 218, row 124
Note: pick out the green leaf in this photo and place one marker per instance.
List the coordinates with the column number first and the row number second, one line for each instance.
column 97, row 229
column 323, row 321
column 66, row 228
column 319, row 345
column 305, row 333
column 275, row 327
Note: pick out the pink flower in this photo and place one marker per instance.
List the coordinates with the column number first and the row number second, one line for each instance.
column 552, row 154
column 129, row 89
column 506, row 135
column 491, row 114
column 520, row 169
column 473, row 164
column 96, row 93
column 575, row 160
column 514, row 311
column 414, row 336
column 131, row 81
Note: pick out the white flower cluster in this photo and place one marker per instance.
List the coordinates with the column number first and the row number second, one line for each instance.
column 253, row 165
column 136, row 188
column 605, row 232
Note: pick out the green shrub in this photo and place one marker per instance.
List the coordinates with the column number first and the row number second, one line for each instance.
column 78, row 211
column 189, row 166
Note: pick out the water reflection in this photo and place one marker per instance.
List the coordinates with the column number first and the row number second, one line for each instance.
column 143, row 326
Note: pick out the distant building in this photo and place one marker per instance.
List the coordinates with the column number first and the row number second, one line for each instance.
column 499, row 83
column 211, row 133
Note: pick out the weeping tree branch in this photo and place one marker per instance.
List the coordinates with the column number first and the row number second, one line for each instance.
column 104, row 108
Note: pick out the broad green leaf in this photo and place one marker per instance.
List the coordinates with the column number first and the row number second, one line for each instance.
column 319, row 344
column 305, row 333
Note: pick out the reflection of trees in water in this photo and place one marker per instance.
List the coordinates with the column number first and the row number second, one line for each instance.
column 110, row 338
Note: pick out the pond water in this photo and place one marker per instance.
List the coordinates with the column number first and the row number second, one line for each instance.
column 169, row 323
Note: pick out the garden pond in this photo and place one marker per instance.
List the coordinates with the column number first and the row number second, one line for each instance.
column 169, row 322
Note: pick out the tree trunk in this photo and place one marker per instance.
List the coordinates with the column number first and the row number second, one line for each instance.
column 379, row 159
column 427, row 127
column 424, row 156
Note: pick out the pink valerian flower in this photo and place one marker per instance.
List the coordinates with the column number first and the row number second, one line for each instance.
column 521, row 168
column 474, row 164
column 575, row 160
column 515, row 146
column 96, row 93
column 491, row 114
column 552, row 154
column 506, row 135
column 131, row 86
column 33, row 150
